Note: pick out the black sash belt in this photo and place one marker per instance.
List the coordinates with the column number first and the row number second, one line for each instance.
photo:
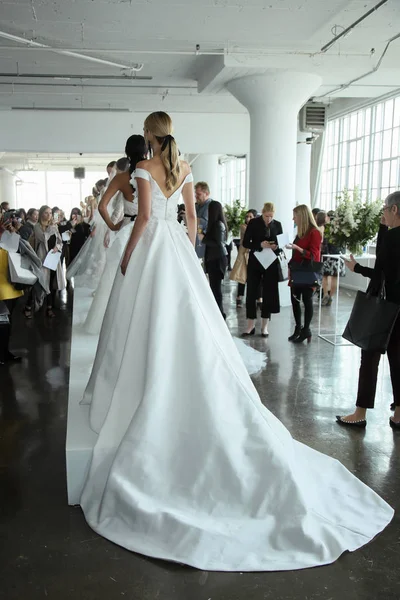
column 131, row 217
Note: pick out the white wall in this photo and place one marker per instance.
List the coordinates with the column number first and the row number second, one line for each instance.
column 7, row 188
column 105, row 132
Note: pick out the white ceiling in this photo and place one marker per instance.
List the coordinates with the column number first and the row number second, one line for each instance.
column 253, row 35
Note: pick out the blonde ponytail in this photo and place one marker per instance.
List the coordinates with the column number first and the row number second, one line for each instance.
column 160, row 125
column 171, row 162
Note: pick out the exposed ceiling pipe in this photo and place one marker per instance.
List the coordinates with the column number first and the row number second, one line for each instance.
column 221, row 52
column 60, row 109
column 353, row 25
column 9, row 170
column 66, row 52
column 74, row 89
column 67, row 84
column 122, row 77
column 378, row 64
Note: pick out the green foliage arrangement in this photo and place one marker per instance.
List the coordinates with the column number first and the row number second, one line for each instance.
column 355, row 222
column 235, row 215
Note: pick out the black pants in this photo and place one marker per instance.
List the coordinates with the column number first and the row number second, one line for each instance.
column 5, row 330
column 305, row 294
column 242, row 288
column 53, row 290
column 229, row 251
column 369, row 371
column 265, row 280
column 216, row 275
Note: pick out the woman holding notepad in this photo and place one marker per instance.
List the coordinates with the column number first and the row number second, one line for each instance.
column 261, row 234
column 46, row 240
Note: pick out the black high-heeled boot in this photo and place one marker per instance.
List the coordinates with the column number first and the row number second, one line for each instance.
column 295, row 335
column 305, row 334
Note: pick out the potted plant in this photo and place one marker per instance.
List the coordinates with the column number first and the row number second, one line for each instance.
column 355, row 222
column 235, row 215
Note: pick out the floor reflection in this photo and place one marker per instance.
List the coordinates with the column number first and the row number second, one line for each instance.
column 62, row 558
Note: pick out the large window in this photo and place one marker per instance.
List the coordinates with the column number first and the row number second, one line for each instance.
column 233, row 181
column 54, row 188
column 362, row 149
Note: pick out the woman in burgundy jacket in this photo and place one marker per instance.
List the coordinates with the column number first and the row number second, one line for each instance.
column 306, row 247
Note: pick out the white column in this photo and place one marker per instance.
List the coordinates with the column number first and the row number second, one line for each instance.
column 7, row 188
column 273, row 101
column 205, row 168
column 303, row 166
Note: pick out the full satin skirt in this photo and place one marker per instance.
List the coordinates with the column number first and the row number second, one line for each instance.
column 189, row 466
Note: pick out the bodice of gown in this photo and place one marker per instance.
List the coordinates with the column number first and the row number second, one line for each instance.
column 162, row 208
column 131, row 208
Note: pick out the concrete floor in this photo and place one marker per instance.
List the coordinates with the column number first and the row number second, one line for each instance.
column 48, row 551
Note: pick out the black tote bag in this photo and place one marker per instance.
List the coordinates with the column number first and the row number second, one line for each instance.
column 371, row 321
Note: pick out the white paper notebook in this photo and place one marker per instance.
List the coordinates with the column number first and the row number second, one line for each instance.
column 52, row 259
column 266, row 257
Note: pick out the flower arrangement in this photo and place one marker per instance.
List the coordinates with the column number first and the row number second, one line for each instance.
column 235, row 215
column 355, row 222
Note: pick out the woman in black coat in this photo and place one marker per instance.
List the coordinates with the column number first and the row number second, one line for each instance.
column 387, row 268
column 80, row 232
column 215, row 258
column 262, row 233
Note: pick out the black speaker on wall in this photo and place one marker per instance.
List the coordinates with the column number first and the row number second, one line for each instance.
column 79, row 172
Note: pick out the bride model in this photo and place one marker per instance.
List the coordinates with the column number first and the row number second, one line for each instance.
column 189, row 466
column 88, row 266
column 136, row 151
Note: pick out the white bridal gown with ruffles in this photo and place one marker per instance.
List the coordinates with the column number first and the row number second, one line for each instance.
column 189, row 466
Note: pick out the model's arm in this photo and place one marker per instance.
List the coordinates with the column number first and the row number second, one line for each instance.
column 113, row 188
column 142, row 219
column 190, row 211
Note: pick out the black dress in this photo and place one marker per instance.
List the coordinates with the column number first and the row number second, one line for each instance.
column 78, row 238
column 256, row 233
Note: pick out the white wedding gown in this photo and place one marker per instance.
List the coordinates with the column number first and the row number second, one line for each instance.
column 254, row 360
column 88, row 266
column 114, row 254
column 189, row 466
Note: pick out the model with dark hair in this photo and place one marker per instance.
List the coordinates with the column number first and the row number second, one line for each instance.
column 120, row 186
